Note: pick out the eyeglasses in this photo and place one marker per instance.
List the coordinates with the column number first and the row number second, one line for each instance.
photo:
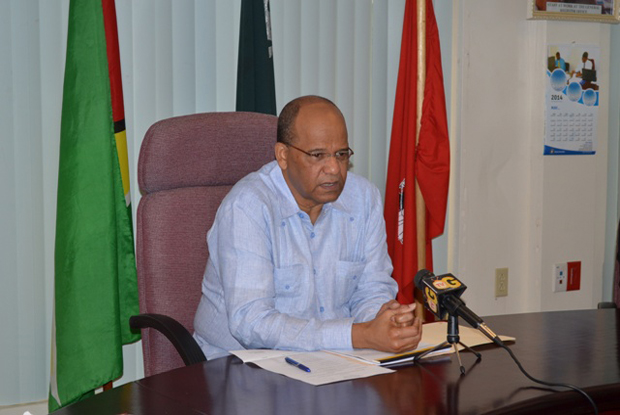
column 321, row 156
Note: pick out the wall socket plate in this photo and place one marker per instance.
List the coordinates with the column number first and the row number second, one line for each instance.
column 501, row 282
column 560, row 270
column 567, row 276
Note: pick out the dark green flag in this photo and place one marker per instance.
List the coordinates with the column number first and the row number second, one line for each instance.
column 256, row 91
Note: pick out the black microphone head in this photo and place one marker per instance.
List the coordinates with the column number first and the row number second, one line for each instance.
column 423, row 273
column 436, row 289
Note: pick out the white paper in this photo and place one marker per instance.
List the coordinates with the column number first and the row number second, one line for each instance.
column 375, row 356
column 325, row 368
column 253, row 355
column 432, row 334
column 335, row 366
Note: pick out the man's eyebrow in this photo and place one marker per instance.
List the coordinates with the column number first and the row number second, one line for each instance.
column 324, row 150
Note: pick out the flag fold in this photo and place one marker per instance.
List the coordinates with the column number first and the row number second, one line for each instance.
column 427, row 163
column 256, row 91
column 95, row 288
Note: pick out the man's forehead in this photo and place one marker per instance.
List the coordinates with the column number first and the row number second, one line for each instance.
column 319, row 115
column 320, row 124
column 317, row 108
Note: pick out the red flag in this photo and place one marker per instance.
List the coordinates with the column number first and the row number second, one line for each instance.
column 428, row 162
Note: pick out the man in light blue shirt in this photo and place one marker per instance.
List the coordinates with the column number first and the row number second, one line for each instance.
column 298, row 255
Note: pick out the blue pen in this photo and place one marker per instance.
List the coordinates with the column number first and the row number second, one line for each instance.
column 297, row 364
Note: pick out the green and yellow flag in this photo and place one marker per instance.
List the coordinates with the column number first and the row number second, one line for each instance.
column 95, row 271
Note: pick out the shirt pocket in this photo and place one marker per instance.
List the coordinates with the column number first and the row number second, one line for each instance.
column 292, row 286
column 348, row 275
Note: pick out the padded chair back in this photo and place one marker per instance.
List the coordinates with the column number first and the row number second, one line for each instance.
column 186, row 166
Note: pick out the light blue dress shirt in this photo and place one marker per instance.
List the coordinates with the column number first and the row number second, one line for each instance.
column 274, row 280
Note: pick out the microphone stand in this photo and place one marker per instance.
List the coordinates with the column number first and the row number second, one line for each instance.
column 453, row 339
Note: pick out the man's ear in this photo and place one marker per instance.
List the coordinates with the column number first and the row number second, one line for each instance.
column 282, row 155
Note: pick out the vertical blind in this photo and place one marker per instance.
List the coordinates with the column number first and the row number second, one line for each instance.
column 178, row 57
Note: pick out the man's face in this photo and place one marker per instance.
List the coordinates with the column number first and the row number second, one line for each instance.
column 318, row 128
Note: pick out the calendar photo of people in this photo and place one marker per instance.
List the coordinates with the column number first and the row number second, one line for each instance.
column 572, row 99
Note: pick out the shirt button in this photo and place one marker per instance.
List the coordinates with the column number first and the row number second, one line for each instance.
column 314, row 270
column 283, row 223
column 355, row 277
column 312, row 235
column 351, row 219
column 301, row 215
column 287, row 286
column 322, row 309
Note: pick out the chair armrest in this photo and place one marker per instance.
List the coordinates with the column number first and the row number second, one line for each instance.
column 606, row 305
column 174, row 331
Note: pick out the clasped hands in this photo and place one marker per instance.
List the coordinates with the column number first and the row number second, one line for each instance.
column 394, row 329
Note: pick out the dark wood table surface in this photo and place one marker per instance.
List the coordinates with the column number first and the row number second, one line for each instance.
column 577, row 347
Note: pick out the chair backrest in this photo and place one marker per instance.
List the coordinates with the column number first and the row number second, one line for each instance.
column 588, row 75
column 187, row 165
column 551, row 63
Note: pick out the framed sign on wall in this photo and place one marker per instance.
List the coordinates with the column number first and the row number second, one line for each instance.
column 601, row 11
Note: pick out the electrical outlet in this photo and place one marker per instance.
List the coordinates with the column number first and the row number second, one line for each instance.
column 501, row 282
column 560, row 271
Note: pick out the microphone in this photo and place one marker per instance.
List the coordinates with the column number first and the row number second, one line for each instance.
column 442, row 297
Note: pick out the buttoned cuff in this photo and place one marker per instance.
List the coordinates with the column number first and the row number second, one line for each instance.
column 337, row 334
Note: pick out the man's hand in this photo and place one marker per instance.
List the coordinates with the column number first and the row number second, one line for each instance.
column 395, row 329
column 404, row 313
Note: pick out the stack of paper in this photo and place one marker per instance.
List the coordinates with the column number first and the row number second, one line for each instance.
column 338, row 365
column 433, row 334
column 325, row 367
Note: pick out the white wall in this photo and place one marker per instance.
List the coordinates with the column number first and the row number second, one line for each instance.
column 513, row 207
column 613, row 153
column 575, row 191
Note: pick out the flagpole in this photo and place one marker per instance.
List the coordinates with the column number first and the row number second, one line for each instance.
column 420, row 204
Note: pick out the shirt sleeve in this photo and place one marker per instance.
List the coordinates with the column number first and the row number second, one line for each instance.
column 376, row 285
column 244, row 263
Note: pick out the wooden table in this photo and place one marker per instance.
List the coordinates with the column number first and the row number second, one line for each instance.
column 577, row 347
